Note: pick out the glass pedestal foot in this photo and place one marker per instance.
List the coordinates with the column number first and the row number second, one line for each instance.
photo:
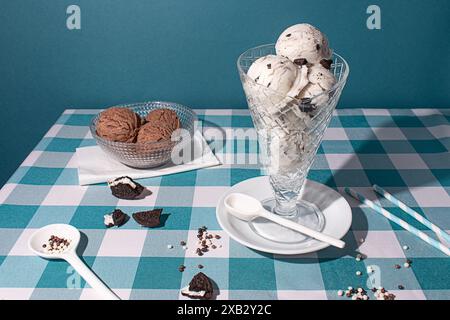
column 306, row 214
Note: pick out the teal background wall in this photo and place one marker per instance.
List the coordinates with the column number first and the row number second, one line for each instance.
column 185, row 51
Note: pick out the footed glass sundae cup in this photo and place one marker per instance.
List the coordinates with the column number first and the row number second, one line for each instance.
column 289, row 133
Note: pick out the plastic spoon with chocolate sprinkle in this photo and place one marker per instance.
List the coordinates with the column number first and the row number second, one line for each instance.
column 41, row 236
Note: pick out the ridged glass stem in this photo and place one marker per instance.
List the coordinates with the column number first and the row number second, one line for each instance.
column 286, row 194
column 286, row 207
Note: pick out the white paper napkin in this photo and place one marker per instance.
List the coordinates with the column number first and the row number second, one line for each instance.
column 95, row 166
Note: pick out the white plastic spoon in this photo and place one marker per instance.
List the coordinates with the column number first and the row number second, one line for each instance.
column 247, row 208
column 69, row 232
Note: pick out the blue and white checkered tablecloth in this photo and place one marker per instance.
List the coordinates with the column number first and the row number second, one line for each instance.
column 404, row 151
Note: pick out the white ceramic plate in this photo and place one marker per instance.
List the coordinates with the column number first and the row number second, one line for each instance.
column 337, row 212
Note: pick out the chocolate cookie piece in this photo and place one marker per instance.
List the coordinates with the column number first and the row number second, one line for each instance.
column 306, row 105
column 125, row 188
column 149, row 219
column 326, row 63
column 117, row 218
column 200, row 287
column 301, row 61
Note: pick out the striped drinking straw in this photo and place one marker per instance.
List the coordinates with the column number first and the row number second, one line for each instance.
column 399, row 221
column 412, row 213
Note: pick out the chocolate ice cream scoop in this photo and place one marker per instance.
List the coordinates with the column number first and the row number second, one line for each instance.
column 153, row 132
column 118, row 124
column 165, row 117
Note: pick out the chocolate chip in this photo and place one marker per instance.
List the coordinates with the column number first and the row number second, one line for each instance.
column 268, row 85
column 318, row 47
column 256, row 79
column 288, row 35
column 300, row 61
column 326, row 63
column 269, row 66
column 204, row 249
column 306, row 100
column 217, row 236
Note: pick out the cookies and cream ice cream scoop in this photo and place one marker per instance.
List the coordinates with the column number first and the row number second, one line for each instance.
column 276, row 73
column 298, row 86
column 311, row 82
column 302, row 42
